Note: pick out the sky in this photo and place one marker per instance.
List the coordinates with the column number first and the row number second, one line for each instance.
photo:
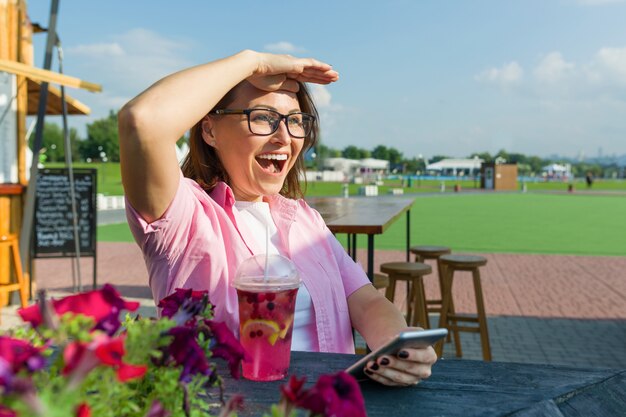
column 427, row 77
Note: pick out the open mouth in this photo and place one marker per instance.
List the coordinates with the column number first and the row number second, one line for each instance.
column 272, row 163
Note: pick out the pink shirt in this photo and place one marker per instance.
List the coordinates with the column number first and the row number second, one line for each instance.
column 200, row 240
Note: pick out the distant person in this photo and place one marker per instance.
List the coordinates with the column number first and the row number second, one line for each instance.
column 589, row 179
column 251, row 120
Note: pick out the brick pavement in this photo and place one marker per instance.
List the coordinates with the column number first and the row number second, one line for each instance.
column 568, row 310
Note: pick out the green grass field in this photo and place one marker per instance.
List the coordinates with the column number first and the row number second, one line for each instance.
column 516, row 223
column 110, row 183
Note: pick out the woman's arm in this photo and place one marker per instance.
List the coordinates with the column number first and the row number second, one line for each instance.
column 151, row 123
column 378, row 320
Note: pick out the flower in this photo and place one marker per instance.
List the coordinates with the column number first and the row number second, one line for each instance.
column 20, row 355
column 111, row 353
column 103, row 305
column 171, row 304
column 83, row 410
column 335, row 395
column 7, row 412
column 293, row 391
column 16, row 356
column 227, row 347
column 186, row 351
column 88, row 364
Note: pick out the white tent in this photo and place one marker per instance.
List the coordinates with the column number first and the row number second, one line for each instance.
column 557, row 171
column 375, row 164
column 452, row 166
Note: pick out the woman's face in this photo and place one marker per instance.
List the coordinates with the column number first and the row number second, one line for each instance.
column 256, row 165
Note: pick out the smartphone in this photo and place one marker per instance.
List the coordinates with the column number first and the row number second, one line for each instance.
column 410, row 339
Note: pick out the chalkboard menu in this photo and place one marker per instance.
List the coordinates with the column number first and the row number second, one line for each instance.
column 54, row 232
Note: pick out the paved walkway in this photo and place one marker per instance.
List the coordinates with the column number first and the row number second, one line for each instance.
column 562, row 310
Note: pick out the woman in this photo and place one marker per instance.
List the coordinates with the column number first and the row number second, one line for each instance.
column 250, row 118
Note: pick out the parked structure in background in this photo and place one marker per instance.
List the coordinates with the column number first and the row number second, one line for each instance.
column 499, row 177
column 455, row 167
column 557, row 172
column 368, row 169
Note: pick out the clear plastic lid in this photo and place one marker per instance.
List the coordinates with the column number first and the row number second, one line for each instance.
column 267, row 273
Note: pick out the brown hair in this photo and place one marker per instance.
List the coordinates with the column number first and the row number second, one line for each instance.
column 203, row 165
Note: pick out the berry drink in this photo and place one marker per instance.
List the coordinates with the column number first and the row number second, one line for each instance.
column 266, row 286
column 265, row 328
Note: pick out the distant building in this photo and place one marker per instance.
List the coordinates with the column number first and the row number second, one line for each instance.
column 352, row 167
column 494, row 176
column 557, row 171
column 456, row 166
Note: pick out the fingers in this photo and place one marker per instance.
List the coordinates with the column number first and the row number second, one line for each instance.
column 425, row 355
column 298, row 69
column 315, row 76
column 409, row 368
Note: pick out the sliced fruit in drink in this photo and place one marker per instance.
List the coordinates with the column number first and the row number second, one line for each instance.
column 258, row 328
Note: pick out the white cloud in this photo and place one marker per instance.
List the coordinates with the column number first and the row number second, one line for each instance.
column 553, row 68
column 97, row 50
column 511, row 73
column 321, row 95
column 283, row 47
column 613, row 62
column 598, row 2
column 130, row 62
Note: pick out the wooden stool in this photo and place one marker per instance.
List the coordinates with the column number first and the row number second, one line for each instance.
column 380, row 281
column 452, row 263
column 413, row 273
column 422, row 253
column 21, row 285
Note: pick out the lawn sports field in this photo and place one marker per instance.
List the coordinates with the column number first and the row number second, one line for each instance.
column 110, row 183
column 579, row 224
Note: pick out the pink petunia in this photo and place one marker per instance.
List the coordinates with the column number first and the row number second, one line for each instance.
column 171, row 304
column 81, row 358
column 157, row 410
column 83, row 410
column 335, row 395
column 227, row 347
column 112, row 353
column 293, row 390
column 104, row 305
column 17, row 355
column 7, row 412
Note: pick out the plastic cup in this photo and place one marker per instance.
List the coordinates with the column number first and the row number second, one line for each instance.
column 266, row 310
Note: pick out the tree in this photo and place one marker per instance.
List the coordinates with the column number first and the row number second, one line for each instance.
column 352, row 152
column 485, row 156
column 53, row 142
column 381, row 152
column 395, row 156
column 103, row 142
column 437, row 158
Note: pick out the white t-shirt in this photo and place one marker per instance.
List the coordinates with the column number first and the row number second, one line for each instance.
column 257, row 217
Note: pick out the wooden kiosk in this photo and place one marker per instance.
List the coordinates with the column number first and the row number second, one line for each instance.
column 20, row 85
column 499, row 177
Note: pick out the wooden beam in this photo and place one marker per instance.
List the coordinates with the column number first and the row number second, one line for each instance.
column 47, row 76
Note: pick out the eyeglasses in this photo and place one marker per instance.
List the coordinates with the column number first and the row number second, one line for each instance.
column 264, row 122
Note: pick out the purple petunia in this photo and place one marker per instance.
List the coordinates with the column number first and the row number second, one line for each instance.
column 181, row 296
column 226, row 346
column 185, row 351
column 335, row 395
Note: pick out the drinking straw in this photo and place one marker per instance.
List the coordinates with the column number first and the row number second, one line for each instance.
column 267, row 251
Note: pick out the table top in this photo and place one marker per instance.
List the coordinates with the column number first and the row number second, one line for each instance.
column 461, row 388
column 367, row 215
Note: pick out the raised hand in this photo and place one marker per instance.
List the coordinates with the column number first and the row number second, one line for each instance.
column 282, row 72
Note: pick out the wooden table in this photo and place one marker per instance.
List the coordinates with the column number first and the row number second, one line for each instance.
column 462, row 388
column 364, row 215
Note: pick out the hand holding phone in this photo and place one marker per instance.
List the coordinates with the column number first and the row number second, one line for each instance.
column 408, row 339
